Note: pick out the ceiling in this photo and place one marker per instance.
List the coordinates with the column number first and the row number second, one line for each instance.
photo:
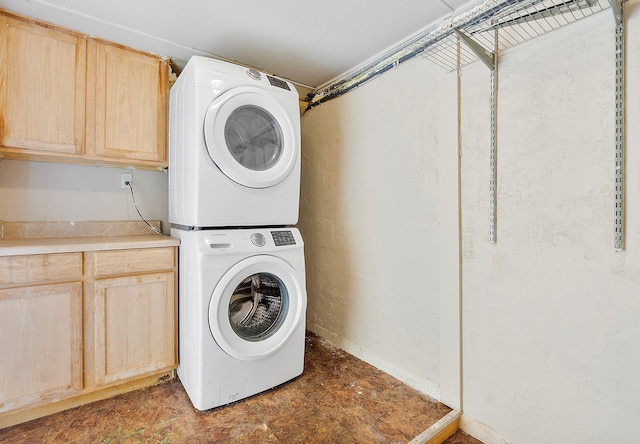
column 310, row 44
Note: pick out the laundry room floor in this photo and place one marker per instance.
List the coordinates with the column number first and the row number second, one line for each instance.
column 338, row 399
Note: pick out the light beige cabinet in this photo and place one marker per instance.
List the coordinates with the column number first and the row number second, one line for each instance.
column 81, row 326
column 133, row 327
column 130, row 328
column 42, row 99
column 40, row 329
column 40, row 344
column 129, row 97
column 72, row 98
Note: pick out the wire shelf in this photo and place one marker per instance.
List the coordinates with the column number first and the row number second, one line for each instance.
column 515, row 21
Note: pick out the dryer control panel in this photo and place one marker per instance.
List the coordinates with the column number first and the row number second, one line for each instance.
column 281, row 238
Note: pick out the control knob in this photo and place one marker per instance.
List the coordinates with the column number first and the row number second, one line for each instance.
column 258, row 239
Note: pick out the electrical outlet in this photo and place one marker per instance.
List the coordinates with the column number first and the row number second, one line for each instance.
column 124, row 179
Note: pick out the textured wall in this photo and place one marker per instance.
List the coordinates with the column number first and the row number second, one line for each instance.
column 371, row 218
column 551, row 312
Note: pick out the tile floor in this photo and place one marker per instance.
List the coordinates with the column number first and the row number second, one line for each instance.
column 338, row 399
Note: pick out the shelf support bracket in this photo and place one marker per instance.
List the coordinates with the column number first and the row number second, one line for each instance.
column 487, row 58
column 490, row 59
column 616, row 8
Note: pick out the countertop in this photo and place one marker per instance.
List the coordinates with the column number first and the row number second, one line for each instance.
column 22, row 238
column 17, row 247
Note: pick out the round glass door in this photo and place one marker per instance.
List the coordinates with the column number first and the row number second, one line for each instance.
column 254, row 137
column 256, row 306
column 251, row 138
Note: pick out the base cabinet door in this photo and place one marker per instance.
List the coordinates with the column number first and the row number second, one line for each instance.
column 132, row 327
column 40, row 345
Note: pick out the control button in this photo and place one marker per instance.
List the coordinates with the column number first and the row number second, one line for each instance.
column 258, row 239
column 255, row 75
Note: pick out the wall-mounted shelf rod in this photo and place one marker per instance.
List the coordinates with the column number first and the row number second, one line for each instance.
column 490, row 59
column 616, row 8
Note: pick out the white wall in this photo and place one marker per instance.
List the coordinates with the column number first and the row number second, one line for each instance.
column 372, row 218
column 551, row 313
column 39, row 191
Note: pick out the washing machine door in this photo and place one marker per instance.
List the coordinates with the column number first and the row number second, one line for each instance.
column 250, row 137
column 256, row 306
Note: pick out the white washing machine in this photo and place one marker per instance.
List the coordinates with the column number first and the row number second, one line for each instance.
column 242, row 303
column 234, row 147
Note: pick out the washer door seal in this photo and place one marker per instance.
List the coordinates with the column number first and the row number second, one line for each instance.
column 250, row 137
column 246, row 329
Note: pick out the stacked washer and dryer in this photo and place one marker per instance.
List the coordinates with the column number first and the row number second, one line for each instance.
column 234, row 181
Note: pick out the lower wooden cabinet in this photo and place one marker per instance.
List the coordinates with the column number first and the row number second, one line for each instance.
column 73, row 325
column 40, row 344
column 132, row 328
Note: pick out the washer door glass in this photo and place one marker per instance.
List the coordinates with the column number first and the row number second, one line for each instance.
column 251, row 137
column 254, row 137
column 258, row 306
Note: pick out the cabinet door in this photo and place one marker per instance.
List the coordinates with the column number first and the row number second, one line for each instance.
column 40, row 344
column 132, row 326
column 131, row 100
column 42, row 88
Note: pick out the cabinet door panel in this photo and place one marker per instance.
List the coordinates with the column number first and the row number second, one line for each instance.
column 133, row 326
column 131, row 101
column 43, row 95
column 41, row 348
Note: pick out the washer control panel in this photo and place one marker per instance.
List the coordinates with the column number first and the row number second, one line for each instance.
column 281, row 238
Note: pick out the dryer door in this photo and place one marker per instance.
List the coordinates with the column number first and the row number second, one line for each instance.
column 250, row 137
column 256, row 306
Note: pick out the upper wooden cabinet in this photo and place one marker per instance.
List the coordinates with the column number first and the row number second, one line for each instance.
column 68, row 97
column 42, row 94
column 129, row 98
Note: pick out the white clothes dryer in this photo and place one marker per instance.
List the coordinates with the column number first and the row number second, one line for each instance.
column 234, row 147
column 242, row 303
